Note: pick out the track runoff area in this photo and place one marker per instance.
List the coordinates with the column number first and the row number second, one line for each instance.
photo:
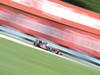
column 18, row 58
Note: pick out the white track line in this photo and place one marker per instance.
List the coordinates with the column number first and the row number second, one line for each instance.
column 23, row 43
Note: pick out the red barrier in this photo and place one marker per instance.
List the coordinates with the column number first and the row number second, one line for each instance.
column 61, row 12
column 56, row 32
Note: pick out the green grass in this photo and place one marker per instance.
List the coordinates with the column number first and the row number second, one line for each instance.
column 93, row 5
column 17, row 59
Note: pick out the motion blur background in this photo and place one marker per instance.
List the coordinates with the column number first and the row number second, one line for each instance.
column 17, row 59
column 93, row 5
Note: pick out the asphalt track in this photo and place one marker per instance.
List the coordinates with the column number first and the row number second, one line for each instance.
column 17, row 59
